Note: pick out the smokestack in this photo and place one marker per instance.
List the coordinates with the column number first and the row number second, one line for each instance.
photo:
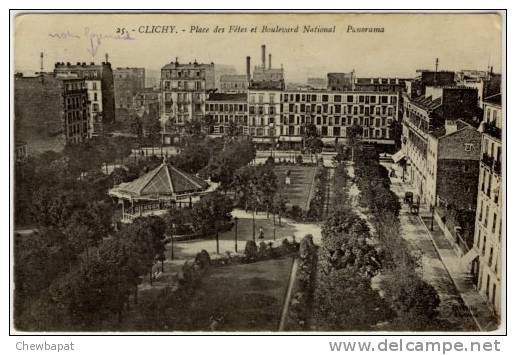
column 107, row 58
column 270, row 61
column 41, row 55
column 263, row 56
column 248, row 68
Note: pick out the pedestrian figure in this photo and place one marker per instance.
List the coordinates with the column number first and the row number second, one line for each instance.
column 287, row 178
column 261, row 236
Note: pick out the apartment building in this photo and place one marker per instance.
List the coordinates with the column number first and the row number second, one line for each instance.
column 225, row 112
column 184, row 89
column 487, row 264
column 334, row 112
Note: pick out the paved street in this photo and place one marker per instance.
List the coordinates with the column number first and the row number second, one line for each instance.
column 452, row 308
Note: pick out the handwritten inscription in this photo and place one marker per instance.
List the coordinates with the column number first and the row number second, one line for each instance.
column 93, row 38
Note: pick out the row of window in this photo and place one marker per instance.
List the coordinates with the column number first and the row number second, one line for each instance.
column 227, row 107
column 381, row 99
column 184, row 85
column 182, row 73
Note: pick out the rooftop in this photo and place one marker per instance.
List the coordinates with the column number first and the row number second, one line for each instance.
column 441, row 131
column 162, row 182
column 426, row 103
column 175, row 65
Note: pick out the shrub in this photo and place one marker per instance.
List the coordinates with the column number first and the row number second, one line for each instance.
column 251, row 250
column 203, row 259
column 296, row 212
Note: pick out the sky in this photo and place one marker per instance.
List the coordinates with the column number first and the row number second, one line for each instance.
column 408, row 41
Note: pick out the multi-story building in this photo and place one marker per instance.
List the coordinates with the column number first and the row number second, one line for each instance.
column 486, row 268
column 126, row 82
column 266, row 74
column 380, row 84
column 426, row 114
column 452, row 159
column 487, row 83
column 341, row 81
column 317, row 83
column 184, row 90
column 95, row 106
column 50, row 111
column 264, row 120
column 148, row 98
column 224, row 110
column 234, row 84
column 93, row 73
column 333, row 113
column 424, row 78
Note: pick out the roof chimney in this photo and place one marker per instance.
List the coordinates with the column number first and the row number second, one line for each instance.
column 41, row 55
column 248, row 68
column 107, row 58
column 263, row 56
column 450, row 126
column 270, row 61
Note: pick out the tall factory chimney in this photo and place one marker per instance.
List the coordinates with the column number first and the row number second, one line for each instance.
column 248, row 68
column 41, row 55
column 263, row 56
column 270, row 61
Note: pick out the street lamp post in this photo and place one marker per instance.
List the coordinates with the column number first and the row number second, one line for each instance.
column 217, row 236
column 432, row 210
column 271, row 132
column 172, row 247
column 236, row 234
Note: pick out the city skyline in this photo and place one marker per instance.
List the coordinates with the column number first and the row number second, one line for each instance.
column 409, row 42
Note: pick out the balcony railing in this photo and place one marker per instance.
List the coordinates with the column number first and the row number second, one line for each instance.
column 494, row 164
column 497, row 167
column 487, row 160
column 491, row 129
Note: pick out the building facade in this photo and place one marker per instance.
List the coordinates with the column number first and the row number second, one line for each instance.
column 126, row 82
column 264, row 120
column 317, row 83
column 341, row 81
column 94, row 72
column 426, row 114
column 486, row 268
column 234, row 84
column 184, row 89
column 50, row 111
column 226, row 112
column 95, row 106
column 333, row 113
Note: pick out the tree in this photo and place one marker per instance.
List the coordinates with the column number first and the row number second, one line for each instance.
column 241, row 184
column 414, row 301
column 345, row 301
column 147, row 235
column 279, row 204
column 354, row 133
column 193, row 128
column 312, row 140
column 210, row 212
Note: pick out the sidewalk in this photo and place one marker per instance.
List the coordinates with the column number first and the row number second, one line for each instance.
column 478, row 307
column 480, row 310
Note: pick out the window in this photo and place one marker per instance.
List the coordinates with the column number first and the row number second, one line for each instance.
column 468, row 147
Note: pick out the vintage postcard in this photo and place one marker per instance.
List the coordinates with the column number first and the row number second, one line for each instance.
column 258, row 172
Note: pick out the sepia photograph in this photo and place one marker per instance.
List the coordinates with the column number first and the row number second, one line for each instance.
column 257, row 172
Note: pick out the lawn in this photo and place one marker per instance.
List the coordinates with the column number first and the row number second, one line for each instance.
column 249, row 297
column 301, row 178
